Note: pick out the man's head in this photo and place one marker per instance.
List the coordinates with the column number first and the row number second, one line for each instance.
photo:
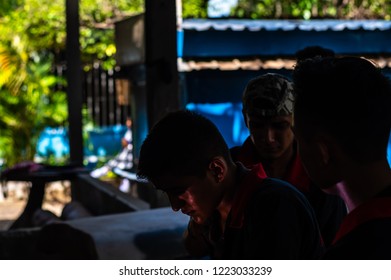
column 342, row 109
column 267, row 111
column 312, row 52
column 185, row 155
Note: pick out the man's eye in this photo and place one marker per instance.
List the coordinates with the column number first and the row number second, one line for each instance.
column 176, row 191
column 281, row 126
column 257, row 125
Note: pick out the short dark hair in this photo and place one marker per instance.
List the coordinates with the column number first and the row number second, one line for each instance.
column 349, row 98
column 312, row 52
column 182, row 143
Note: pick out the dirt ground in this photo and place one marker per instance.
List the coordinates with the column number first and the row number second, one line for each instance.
column 15, row 196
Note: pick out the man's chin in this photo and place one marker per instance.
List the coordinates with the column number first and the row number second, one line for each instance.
column 198, row 220
column 331, row 189
column 271, row 155
column 337, row 189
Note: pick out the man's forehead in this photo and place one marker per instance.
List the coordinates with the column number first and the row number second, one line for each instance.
column 167, row 182
column 276, row 118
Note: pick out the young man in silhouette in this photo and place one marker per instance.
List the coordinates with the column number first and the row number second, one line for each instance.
column 342, row 124
column 235, row 212
column 267, row 110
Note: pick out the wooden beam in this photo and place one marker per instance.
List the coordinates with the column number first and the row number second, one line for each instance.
column 161, row 58
column 74, row 88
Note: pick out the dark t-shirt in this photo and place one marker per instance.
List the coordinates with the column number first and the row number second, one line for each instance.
column 269, row 219
column 329, row 209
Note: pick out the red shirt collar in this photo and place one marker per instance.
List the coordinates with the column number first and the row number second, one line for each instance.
column 296, row 174
column 376, row 208
column 248, row 154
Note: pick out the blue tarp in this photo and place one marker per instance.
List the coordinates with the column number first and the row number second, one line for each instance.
column 106, row 141
column 103, row 141
column 228, row 119
column 53, row 141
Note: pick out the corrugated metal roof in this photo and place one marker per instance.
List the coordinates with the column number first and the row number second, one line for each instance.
column 256, row 64
column 285, row 25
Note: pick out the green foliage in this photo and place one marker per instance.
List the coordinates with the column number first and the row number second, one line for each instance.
column 194, row 8
column 97, row 28
column 32, row 42
column 297, row 9
column 7, row 5
column 27, row 105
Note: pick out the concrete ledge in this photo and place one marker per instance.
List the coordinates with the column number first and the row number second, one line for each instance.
column 141, row 235
column 101, row 198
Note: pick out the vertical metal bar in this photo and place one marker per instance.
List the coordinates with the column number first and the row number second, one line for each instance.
column 112, row 99
column 95, row 87
column 89, row 91
column 102, row 98
column 105, row 80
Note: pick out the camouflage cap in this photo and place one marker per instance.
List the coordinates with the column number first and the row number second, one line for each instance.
column 268, row 95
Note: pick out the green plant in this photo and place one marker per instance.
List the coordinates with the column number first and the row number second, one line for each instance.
column 32, row 42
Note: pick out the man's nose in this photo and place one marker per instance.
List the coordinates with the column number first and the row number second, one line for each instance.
column 175, row 203
column 270, row 136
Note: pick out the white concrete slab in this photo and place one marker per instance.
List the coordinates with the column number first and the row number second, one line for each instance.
column 146, row 234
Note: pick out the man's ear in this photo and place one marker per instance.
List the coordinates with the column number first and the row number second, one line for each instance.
column 218, row 168
column 328, row 148
column 324, row 150
column 245, row 117
column 331, row 159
